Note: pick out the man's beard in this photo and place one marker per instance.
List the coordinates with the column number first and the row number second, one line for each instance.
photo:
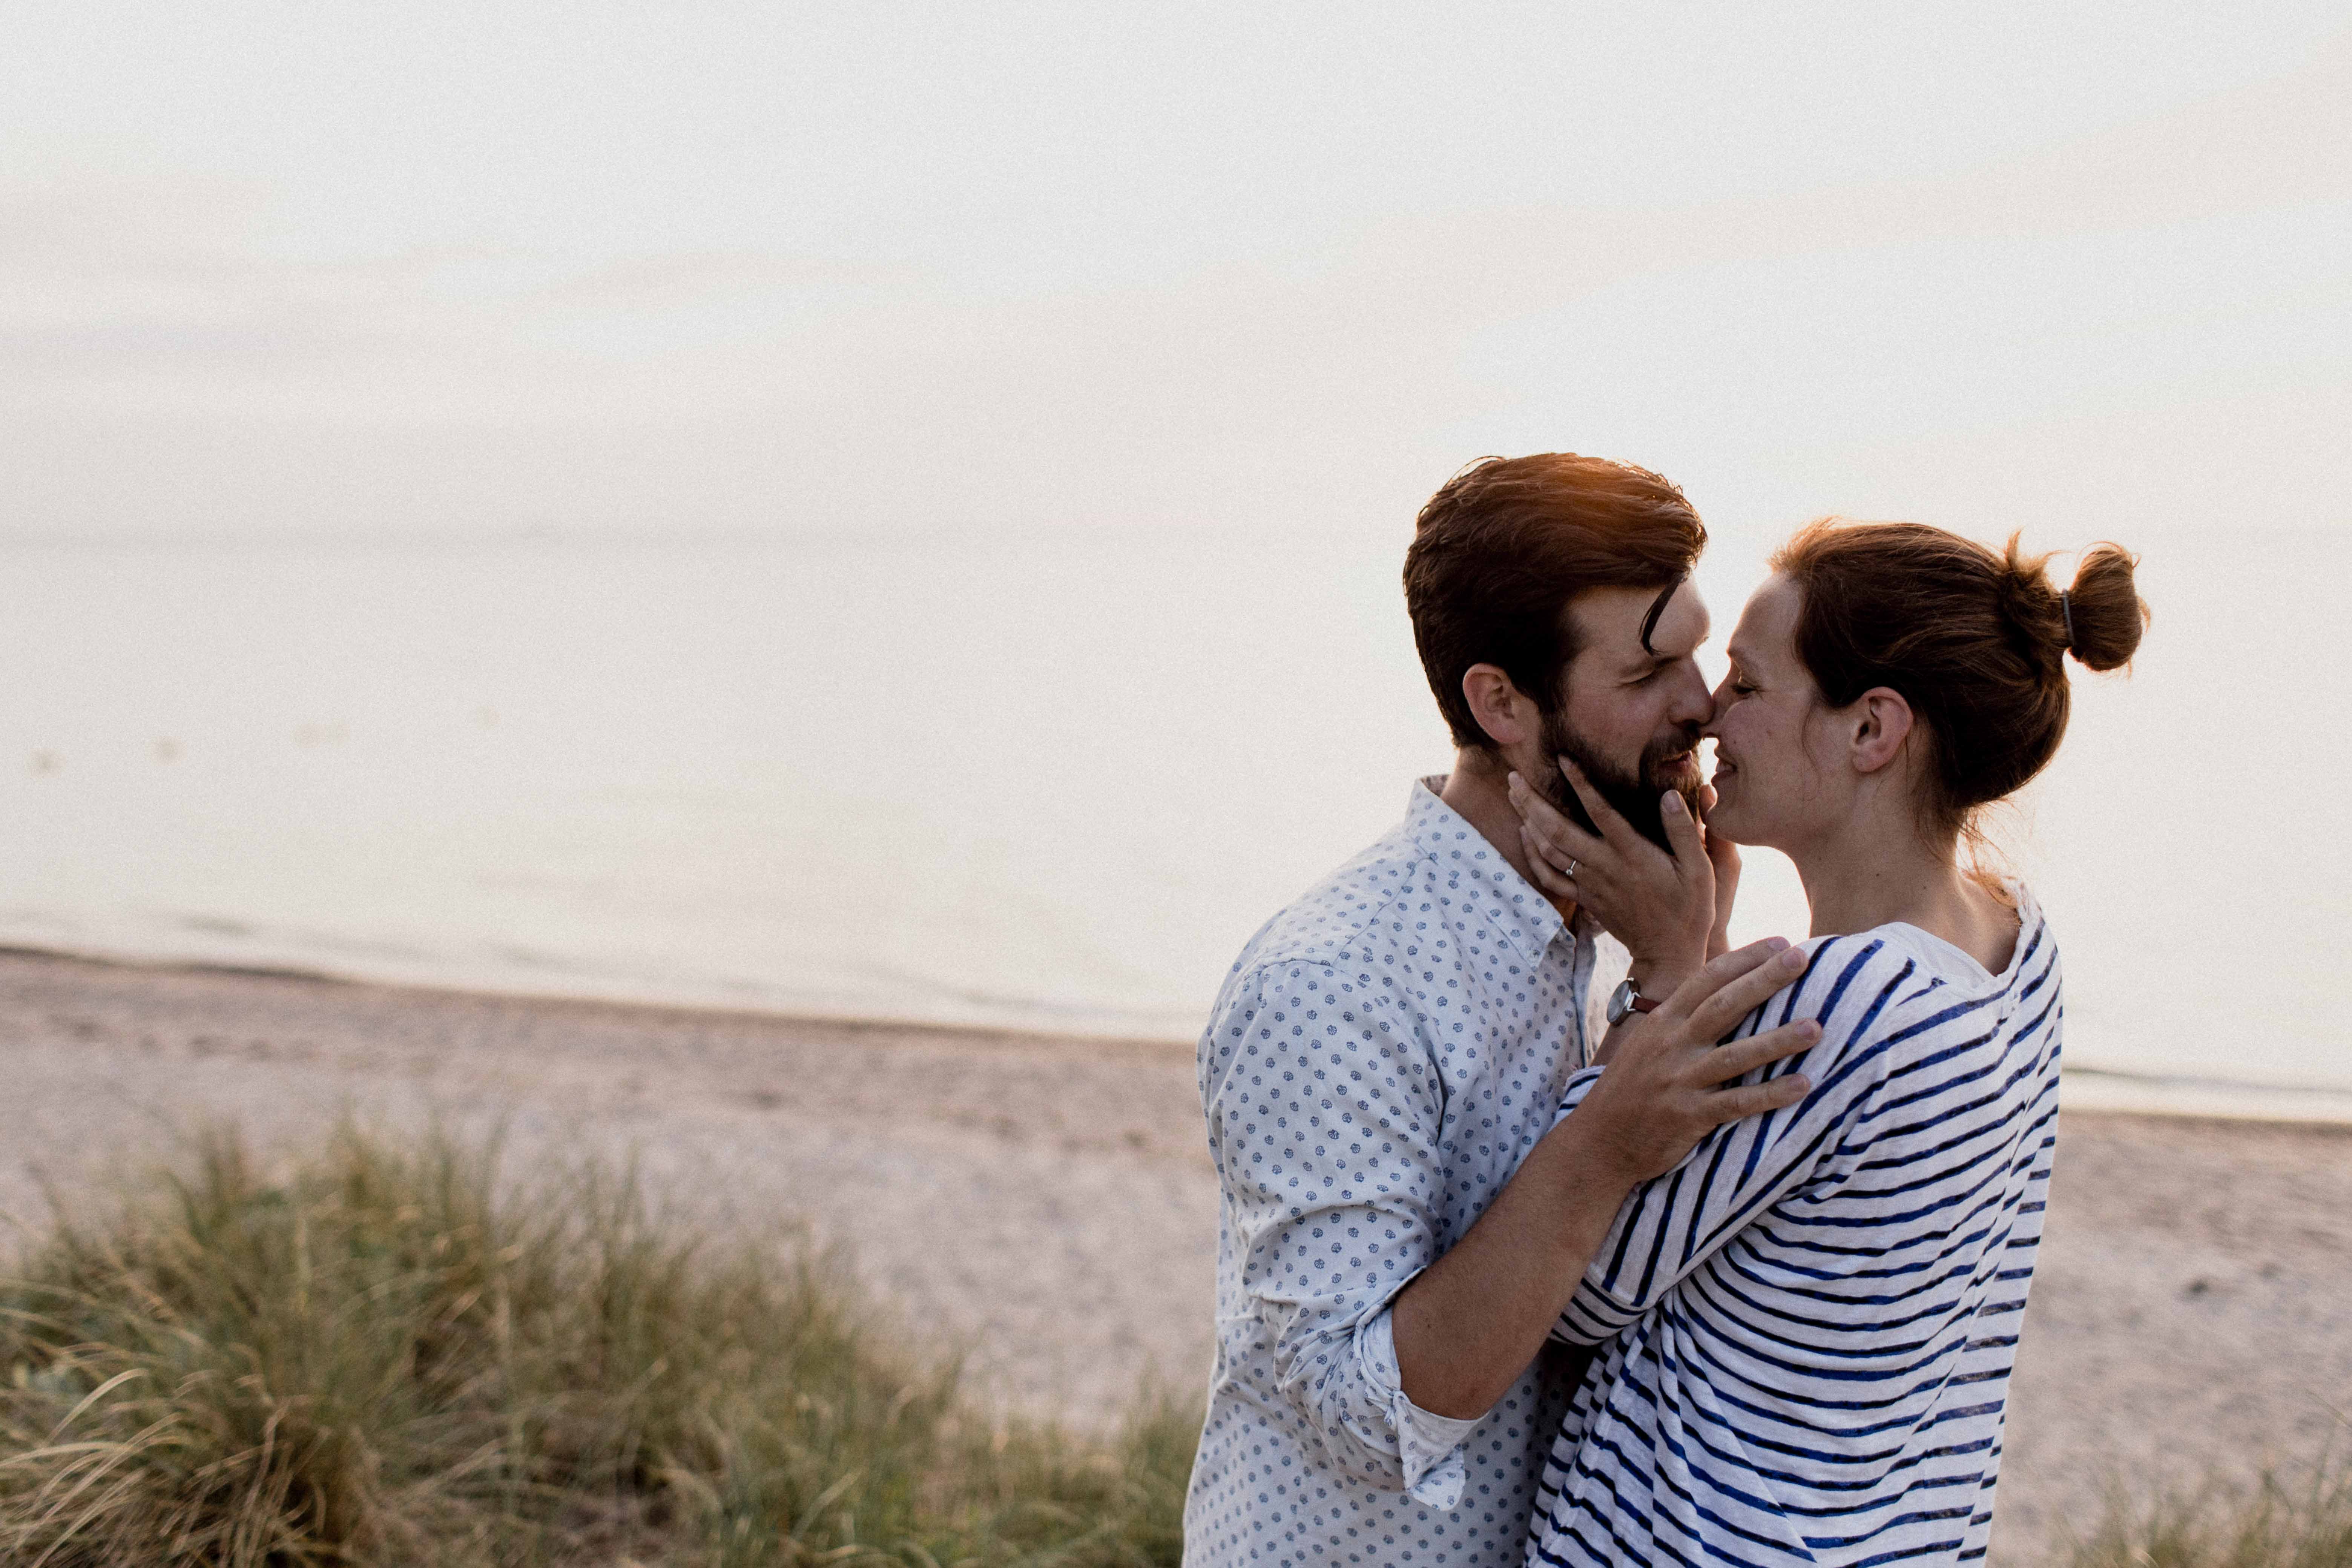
column 1634, row 797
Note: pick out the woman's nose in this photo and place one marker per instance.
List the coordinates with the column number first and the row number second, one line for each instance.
column 1713, row 711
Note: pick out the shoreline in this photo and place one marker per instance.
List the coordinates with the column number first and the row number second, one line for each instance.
column 2084, row 1090
column 846, row 1024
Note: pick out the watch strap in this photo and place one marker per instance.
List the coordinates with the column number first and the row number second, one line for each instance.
column 1627, row 1000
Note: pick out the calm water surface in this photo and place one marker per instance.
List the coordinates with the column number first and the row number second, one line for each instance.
column 1052, row 780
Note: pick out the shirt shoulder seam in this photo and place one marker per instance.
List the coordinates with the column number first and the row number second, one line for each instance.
column 1318, row 955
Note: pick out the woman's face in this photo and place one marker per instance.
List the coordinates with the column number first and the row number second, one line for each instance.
column 1776, row 778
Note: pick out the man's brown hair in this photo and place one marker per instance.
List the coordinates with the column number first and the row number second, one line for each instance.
column 1501, row 549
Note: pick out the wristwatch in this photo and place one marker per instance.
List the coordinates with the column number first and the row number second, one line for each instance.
column 1628, row 999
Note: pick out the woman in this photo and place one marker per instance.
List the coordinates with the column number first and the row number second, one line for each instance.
column 1807, row 1327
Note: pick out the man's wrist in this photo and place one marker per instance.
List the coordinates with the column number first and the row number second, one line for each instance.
column 1656, row 978
column 1589, row 1170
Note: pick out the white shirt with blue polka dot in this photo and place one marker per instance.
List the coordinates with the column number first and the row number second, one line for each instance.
column 1383, row 1055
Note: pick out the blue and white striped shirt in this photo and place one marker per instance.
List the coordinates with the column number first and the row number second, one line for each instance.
column 1808, row 1325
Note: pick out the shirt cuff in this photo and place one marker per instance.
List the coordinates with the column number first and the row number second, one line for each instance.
column 1428, row 1446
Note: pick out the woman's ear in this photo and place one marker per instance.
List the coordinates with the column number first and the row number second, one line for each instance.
column 1882, row 722
column 1506, row 716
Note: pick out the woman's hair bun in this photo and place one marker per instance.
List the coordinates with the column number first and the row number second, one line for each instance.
column 1975, row 639
column 2104, row 608
column 2098, row 620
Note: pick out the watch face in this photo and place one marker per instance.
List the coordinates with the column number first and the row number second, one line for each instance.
column 1621, row 1000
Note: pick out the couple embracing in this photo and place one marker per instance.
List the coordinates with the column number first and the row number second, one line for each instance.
column 1552, row 1228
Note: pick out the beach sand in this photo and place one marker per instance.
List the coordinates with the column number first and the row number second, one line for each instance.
column 1048, row 1202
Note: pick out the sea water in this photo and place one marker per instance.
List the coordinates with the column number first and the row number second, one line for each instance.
column 1049, row 780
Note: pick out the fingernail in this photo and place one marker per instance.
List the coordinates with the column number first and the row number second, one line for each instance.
column 1811, row 1028
column 1673, row 804
column 1515, row 784
column 1776, row 943
column 1804, row 1085
column 1793, row 959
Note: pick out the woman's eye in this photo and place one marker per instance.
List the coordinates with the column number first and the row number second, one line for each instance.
column 1741, row 689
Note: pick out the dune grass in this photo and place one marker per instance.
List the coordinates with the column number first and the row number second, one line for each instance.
column 2279, row 1523
column 387, row 1351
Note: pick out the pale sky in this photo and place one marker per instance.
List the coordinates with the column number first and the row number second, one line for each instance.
column 477, row 267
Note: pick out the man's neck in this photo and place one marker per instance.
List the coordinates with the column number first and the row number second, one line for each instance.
column 1478, row 792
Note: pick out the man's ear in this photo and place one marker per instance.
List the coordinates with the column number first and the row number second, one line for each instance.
column 1506, row 716
column 1882, row 724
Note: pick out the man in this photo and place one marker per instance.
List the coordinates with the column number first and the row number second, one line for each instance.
column 1402, row 1225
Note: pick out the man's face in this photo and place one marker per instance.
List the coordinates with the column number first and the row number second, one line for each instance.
column 1628, row 715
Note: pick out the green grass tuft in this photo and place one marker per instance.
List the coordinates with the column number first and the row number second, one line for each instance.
column 389, row 1353
column 2277, row 1524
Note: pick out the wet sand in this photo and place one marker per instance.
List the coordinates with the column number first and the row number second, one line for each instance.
column 1048, row 1202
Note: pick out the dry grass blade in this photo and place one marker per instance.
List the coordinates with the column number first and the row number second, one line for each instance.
column 2276, row 1523
column 383, row 1351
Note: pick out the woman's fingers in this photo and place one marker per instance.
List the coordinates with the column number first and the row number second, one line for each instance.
column 1683, row 834
column 1724, row 855
column 1542, row 854
column 1613, row 827
column 1549, row 878
column 1720, row 849
column 1557, row 833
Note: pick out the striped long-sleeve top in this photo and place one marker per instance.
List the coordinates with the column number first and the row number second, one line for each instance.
column 1808, row 1324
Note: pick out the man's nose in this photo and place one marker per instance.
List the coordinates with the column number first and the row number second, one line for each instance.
column 1694, row 705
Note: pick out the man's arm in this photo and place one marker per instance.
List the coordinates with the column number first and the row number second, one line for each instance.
column 1467, row 1326
column 1325, row 1115
column 1672, row 1227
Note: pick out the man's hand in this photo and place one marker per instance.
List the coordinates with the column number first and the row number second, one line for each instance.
column 1664, row 1089
column 1469, row 1323
column 1661, row 905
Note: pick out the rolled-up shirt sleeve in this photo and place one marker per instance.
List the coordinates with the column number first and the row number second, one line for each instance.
column 1429, row 1445
column 1324, row 1114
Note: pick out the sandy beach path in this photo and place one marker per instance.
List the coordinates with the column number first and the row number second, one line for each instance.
column 1049, row 1202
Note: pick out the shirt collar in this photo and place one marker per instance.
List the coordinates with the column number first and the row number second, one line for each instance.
column 1494, row 891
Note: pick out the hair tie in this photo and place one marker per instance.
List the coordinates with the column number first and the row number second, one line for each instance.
column 2067, row 610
